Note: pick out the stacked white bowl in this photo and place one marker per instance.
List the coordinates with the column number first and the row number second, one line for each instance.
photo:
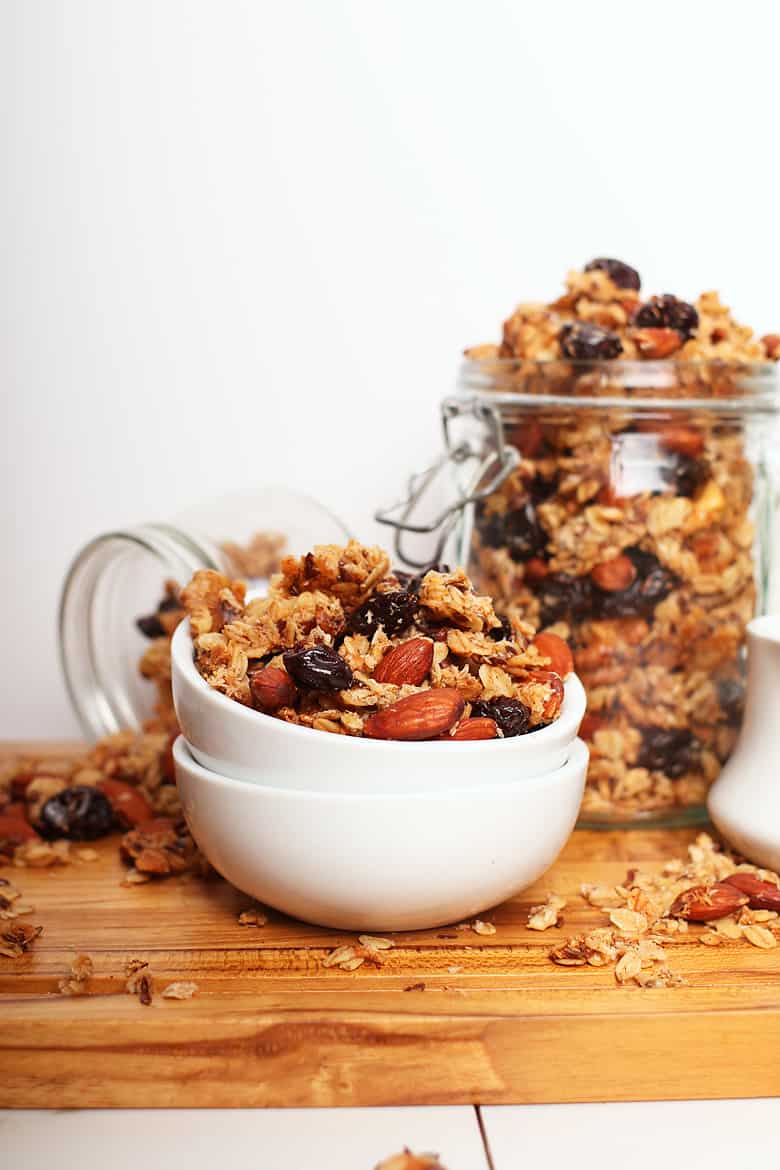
column 365, row 834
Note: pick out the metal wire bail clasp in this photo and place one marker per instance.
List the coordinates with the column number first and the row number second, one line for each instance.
column 492, row 457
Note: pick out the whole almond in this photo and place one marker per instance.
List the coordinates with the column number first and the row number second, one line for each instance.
column 407, row 663
column 536, row 570
column 131, row 808
column 271, row 689
column 771, row 343
column 471, row 729
column 682, row 440
column 553, row 703
column 552, row 647
column 762, row 895
column 615, row 575
column 705, row 903
column 657, row 343
column 422, row 716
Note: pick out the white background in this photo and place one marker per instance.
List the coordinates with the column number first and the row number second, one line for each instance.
column 244, row 243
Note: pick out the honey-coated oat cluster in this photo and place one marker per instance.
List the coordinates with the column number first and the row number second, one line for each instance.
column 342, row 644
column 627, row 526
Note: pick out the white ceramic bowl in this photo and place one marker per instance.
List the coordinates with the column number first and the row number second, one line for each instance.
column 371, row 862
column 236, row 741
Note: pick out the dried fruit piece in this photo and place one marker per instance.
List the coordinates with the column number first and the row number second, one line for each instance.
column 615, row 575
column 393, row 611
column 318, row 668
column 131, row 808
column 79, row 813
column 666, row 749
column 13, row 831
column 656, row 344
column 272, row 688
column 523, row 535
column 422, row 716
column 682, row 439
column 705, row 903
column 771, row 344
column 652, row 584
column 623, row 275
column 565, row 598
column 685, row 475
column 510, row 715
column 536, row 569
column 472, row 729
column 584, row 341
column 408, row 663
column 554, row 648
column 667, row 312
column 502, row 632
column 762, row 895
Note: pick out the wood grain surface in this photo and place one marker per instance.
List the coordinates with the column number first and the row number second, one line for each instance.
column 451, row 1016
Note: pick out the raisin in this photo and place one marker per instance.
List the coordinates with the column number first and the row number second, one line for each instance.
column 80, row 813
column 583, row 342
column 151, row 626
column 731, row 696
column 393, row 611
column 652, row 584
column 564, row 598
column 490, row 528
column 686, row 475
column 524, row 536
column 666, row 750
column 510, row 715
column 504, row 632
column 623, row 275
column 318, row 668
column 667, row 312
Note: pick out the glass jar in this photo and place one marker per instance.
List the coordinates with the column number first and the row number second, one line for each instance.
column 626, row 506
column 118, row 606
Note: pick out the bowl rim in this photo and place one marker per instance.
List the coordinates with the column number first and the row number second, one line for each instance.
column 574, row 697
column 578, row 758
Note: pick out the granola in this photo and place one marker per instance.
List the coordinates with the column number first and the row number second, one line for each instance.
column 342, row 644
column 627, row 528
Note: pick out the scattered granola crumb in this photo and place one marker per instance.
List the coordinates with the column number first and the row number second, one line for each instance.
column 415, row 987
column 87, row 854
column 374, row 943
column 18, row 938
column 480, row 927
column 252, row 917
column 81, row 970
column 139, row 981
column 455, row 969
column 180, row 990
column 547, row 914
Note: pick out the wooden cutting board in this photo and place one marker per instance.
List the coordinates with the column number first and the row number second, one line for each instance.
column 451, row 1017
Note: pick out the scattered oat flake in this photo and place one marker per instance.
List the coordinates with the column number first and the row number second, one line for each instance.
column 760, row 936
column 480, row 927
column 729, row 928
column 252, row 917
column 710, row 939
column 544, row 916
column 629, row 966
column 352, row 964
column 180, row 990
column 338, row 956
column 629, row 921
column 373, row 943
column 454, row 970
column 87, row 854
column 134, row 877
column 81, row 970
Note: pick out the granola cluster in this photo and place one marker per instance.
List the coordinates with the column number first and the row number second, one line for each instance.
column 627, row 527
column 720, row 896
column 340, row 643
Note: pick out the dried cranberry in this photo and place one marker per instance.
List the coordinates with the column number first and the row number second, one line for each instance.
column 652, row 584
column 394, row 611
column 582, row 341
column 666, row 749
column 623, row 275
column 731, row 696
column 511, row 716
column 504, row 632
column 318, row 668
column 686, row 475
column 564, row 598
column 80, row 813
column 667, row 312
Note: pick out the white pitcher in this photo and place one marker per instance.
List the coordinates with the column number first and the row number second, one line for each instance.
column 744, row 802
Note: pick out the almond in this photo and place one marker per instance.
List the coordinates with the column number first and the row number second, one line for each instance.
column 552, row 647
column 422, row 716
column 657, row 343
column 762, row 895
column 131, row 808
column 477, row 728
column 14, row 830
column 771, row 343
column 272, row 688
column 615, row 575
column 553, row 704
column 536, row 570
column 682, row 440
column 704, row 903
column 407, row 663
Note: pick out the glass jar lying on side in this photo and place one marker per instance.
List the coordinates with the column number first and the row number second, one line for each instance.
column 119, row 602
column 633, row 519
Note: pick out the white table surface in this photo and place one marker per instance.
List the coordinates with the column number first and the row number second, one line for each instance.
column 691, row 1135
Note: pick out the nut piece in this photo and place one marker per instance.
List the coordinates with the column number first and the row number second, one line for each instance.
column 554, row 648
column 614, row 576
column 682, row 440
column 478, row 728
column 422, row 716
column 761, row 895
column 657, row 343
column 407, row 663
column 705, row 903
column 131, row 808
column 771, row 343
column 271, row 689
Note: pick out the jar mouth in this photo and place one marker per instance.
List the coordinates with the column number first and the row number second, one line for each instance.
column 738, row 387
